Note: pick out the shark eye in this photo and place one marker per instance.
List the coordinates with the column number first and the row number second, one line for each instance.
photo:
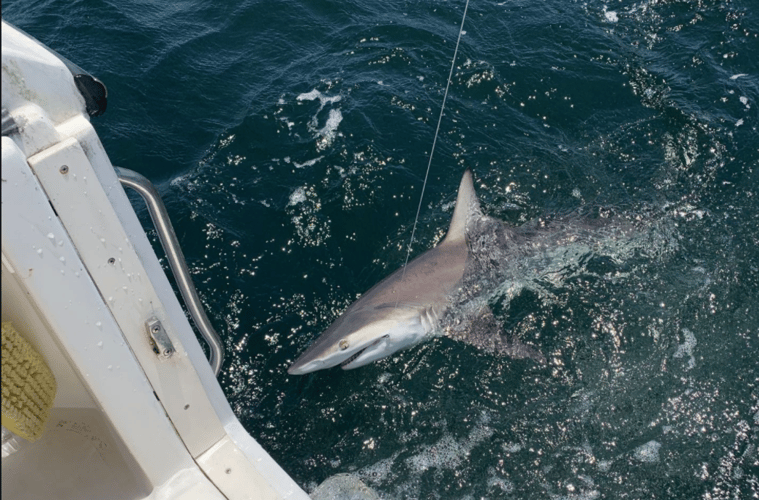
column 343, row 344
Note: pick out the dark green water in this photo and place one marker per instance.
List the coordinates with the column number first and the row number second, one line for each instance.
column 290, row 139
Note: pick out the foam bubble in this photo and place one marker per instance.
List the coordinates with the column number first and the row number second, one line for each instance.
column 309, row 96
column 448, row 453
column 585, row 495
column 327, row 133
column 611, row 16
column 511, row 447
column 648, row 453
column 378, row 472
column 604, row 465
column 503, row 484
column 308, row 163
column 343, row 486
column 298, row 196
column 315, row 94
column 686, row 348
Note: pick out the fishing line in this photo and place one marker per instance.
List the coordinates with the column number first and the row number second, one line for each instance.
column 434, row 141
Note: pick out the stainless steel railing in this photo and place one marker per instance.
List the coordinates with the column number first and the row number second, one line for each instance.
column 162, row 223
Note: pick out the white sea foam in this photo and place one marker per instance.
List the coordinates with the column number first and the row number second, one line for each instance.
column 611, row 16
column 503, row 484
column 378, row 472
column 315, row 94
column 298, row 196
column 308, row 163
column 686, row 348
column 511, row 447
column 604, row 465
column 648, row 453
column 586, row 495
column 326, row 134
column 448, row 452
column 739, row 75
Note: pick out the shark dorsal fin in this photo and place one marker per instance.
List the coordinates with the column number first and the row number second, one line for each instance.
column 466, row 202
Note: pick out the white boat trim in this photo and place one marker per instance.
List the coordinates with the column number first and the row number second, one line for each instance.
column 79, row 281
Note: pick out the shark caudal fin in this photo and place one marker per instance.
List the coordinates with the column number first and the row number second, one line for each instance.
column 466, row 202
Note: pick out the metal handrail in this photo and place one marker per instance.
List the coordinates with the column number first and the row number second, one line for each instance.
column 170, row 244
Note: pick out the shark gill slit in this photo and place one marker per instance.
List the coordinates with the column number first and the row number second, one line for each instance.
column 434, row 140
column 429, row 318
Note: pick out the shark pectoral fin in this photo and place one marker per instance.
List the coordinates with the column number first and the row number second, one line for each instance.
column 485, row 332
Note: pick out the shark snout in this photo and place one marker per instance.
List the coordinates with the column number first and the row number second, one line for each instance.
column 311, row 361
column 299, row 368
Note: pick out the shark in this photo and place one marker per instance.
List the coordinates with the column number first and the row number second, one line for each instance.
column 414, row 303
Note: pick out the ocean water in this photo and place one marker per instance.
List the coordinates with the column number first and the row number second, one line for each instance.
column 289, row 140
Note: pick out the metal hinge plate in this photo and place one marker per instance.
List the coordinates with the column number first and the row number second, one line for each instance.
column 162, row 345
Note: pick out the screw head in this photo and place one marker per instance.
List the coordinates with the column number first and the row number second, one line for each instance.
column 64, row 169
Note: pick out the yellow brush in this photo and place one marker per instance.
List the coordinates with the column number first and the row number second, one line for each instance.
column 28, row 386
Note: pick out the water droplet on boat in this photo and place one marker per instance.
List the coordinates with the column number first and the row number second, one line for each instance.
column 100, row 344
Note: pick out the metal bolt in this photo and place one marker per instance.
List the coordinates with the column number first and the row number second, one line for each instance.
column 186, row 407
column 64, row 169
column 112, row 261
column 156, row 328
column 228, row 471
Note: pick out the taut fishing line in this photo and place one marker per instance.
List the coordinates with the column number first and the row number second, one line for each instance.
column 434, row 141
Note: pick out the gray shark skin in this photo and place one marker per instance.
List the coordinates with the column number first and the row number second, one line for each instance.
column 411, row 305
column 447, row 289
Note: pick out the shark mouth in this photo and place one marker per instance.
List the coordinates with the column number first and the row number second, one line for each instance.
column 358, row 353
column 353, row 358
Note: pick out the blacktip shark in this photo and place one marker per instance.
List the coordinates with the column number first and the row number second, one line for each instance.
column 408, row 306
